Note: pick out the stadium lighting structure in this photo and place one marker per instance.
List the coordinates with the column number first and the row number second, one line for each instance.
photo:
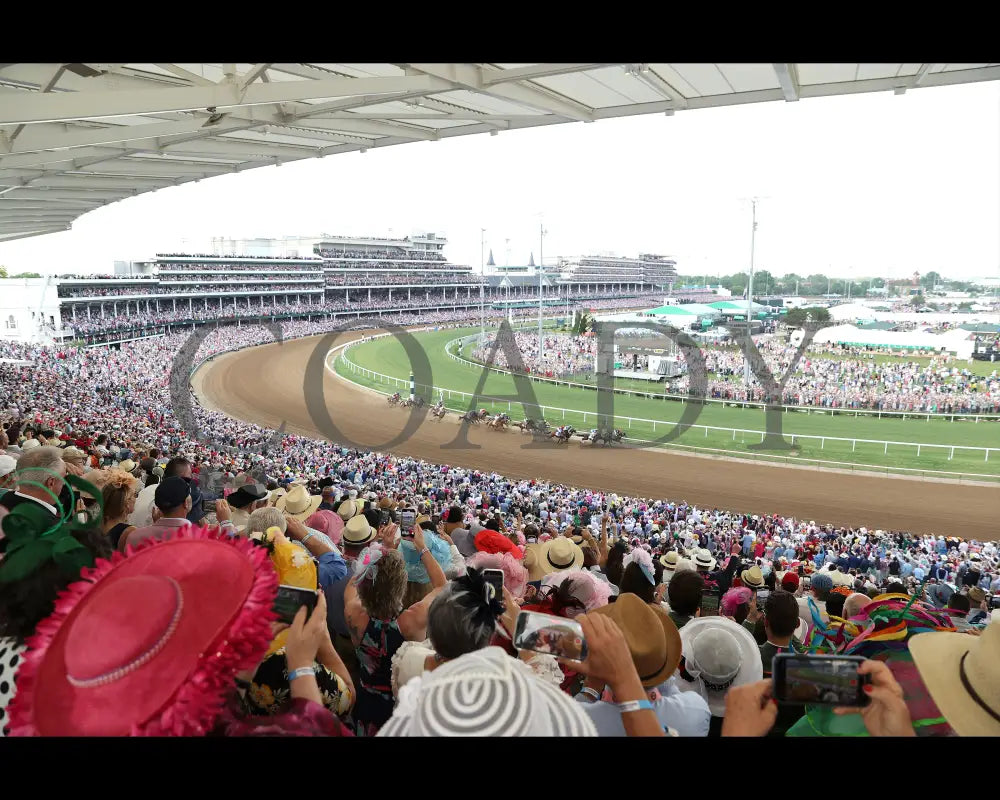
column 482, row 281
column 541, row 273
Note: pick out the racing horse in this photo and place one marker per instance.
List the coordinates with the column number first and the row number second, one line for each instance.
column 605, row 435
column 394, row 399
column 474, row 417
column 563, row 434
column 499, row 422
column 438, row 410
column 415, row 402
column 531, row 425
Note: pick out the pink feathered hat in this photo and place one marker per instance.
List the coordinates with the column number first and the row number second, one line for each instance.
column 515, row 576
column 587, row 587
column 148, row 643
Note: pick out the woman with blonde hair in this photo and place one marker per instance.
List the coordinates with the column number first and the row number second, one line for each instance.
column 119, row 491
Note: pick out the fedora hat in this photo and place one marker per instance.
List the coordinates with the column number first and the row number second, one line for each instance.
column 73, row 454
column 97, row 668
column 347, row 509
column 703, row 559
column 652, row 637
column 669, row 561
column 752, row 578
column 127, row 465
column 298, row 503
column 718, row 654
column 560, row 553
column 976, row 595
column 357, row 531
column 247, row 493
column 960, row 672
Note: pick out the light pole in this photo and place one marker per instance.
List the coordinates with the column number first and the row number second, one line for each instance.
column 482, row 282
column 753, row 244
column 541, row 272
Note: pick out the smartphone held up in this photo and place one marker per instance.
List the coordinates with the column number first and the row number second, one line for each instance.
column 290, row 599
column 819, row 680
column 545, row 633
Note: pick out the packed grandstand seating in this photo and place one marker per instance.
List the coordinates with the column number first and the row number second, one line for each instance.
column 403, row 624
column 217, row 286
column 404, row 278
column 132, row 322
column 396, row 254
column 170, row 269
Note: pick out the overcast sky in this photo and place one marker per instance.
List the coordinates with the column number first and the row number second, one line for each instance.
column 864, row 185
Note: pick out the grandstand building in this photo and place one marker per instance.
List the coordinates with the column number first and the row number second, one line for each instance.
column 645, row 273
column 329, row 277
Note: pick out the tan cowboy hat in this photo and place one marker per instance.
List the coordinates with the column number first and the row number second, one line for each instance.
column 962, row 674
column 298, row 503
column 357, row 531
column 387, row 504
column 670, row 560
column 652, row 637
column 74, row 454
column 532, row 563
column 752, row 578
column 560, row 553
column 127, row 465
column 347, row 510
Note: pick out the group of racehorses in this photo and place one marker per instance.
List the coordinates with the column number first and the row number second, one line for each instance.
column 501, row 421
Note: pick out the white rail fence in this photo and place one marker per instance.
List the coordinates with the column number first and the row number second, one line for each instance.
column 461, row 342
column 508, row 405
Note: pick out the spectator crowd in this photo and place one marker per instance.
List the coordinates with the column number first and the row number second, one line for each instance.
column 851, row 382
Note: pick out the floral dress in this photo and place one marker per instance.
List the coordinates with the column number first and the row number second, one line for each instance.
column 378, row 645
column 270, row 693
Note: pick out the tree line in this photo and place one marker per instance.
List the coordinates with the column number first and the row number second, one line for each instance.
column 818, row 284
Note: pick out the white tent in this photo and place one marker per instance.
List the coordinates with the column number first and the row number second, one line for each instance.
column 909, row 340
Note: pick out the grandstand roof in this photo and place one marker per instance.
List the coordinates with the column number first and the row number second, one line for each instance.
column 74, row 137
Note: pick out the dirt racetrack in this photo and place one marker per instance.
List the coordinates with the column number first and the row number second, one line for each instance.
column 265, row 385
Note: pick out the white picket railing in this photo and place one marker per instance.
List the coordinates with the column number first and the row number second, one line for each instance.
column 688, row 398
column 449, row 394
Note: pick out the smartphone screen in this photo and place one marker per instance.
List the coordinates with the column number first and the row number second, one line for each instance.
column 406, row 520
column 544, row 633
column 383, row 518
column 762, row 595
column 710, row 603
column 819, row 680
column 290, row 599
column 494, row 577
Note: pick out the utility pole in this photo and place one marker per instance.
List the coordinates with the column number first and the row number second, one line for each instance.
column 482, row 282
column 753, row 244
column 541, row 272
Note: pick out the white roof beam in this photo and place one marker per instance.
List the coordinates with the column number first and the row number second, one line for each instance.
column 788, row 79
column 30, row 107
column 662, row 88
column 12, row 235
column 53, row 138
column 180, row 72
column 87, row 196
column 493, row 76
column 465, row 76
column 359, row 124
column 257, row 72
column 31, row 228
column 68, row 180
